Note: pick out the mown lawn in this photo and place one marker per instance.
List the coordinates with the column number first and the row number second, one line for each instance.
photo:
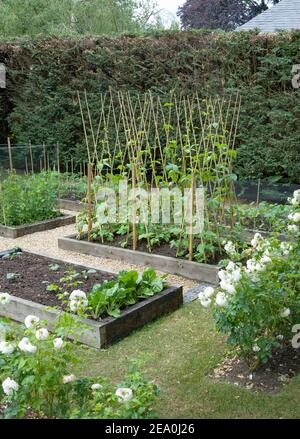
column 179, row 351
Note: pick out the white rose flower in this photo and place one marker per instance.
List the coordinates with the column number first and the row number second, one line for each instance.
column 209, row 292
column 256, row 240
column 235, row 275
column 296, row 217
column 221, row 299
column 6, row 347
column 280, row 337
column 260, row 267
column 293, row 228
column 96, row 386
column 231, row 275
column 4, row 299
column 77, row 294
column 231, row 266
column 124, row 394
column 265, row 259
column 205, row 302
column 78, row 301
column 26, row 346
column 297, row 194
column 285, row 313
column 31, row 321
column 285, row 247
column 228, row 287
column 229, row 247
column 42, row 334
column 69, row 379
column 253, row 266
column 256, row 348
column 58, row 343
column 222, row 275
column 10, row 386
column 76, row 306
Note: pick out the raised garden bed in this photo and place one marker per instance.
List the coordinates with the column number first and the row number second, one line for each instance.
column 192, row 270
column 28, row 288
column 72, row 205
column 40, row 226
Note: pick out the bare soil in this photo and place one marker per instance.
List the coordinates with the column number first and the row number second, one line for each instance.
column 33, row 274
column 163, row 249
column 269, row 378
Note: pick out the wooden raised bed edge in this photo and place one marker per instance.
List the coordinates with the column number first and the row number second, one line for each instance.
column 40, row 226
column 192, row 270
column 75, row 206
column 101, row 334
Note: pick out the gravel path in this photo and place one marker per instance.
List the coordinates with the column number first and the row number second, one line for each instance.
column 46, row 243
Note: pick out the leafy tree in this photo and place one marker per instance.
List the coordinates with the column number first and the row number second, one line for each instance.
column 73, row 17
column 220, row 14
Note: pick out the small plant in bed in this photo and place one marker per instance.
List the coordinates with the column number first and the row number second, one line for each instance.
column 37, row 377
column 26, row 199
column 109, row 297
column 258, row 303
column 72, row 187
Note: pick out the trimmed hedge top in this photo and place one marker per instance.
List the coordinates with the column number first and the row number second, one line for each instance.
column 39, row 103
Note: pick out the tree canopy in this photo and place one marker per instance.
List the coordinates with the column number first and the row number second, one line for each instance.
column 220, row 14
column 78, row 17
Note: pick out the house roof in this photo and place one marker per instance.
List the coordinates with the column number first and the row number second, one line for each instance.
column 283, row 16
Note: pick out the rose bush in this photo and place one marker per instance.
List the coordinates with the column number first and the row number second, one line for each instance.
column 258, row 300
column 36, row 375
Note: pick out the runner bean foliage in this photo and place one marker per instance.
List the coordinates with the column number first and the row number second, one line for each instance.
column 25, row 199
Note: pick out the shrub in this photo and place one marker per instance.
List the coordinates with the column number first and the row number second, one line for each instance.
column 36, row 375
column 258, row 301
column 25, row 199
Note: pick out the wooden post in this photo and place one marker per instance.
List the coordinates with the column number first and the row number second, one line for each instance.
column 31, row 157
column 48, row 161
column 26, row 166
column 134, row 234
column 10, row 154
column 191, row 235
column 72, row 166
column 90, row 205
column 41, row 164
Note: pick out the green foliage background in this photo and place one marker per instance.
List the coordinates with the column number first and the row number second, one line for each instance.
column 40, row 103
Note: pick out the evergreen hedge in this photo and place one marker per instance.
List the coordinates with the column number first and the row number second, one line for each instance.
column 40, row 104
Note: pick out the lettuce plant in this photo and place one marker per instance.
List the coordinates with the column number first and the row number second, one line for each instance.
column 110, row 297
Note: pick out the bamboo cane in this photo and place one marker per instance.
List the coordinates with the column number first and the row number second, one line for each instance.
column 10, row 154
column 90, row 205
column 134, row 234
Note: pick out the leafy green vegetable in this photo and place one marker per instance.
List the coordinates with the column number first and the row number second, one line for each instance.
column 111, row 297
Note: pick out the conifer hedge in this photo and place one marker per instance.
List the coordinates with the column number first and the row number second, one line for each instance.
column 40, row 103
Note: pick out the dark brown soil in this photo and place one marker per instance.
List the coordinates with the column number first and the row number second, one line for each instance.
column 269, row 378
column 33, row 275
column 164, row 249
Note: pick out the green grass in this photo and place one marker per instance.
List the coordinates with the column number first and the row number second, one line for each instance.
column 179, row 351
